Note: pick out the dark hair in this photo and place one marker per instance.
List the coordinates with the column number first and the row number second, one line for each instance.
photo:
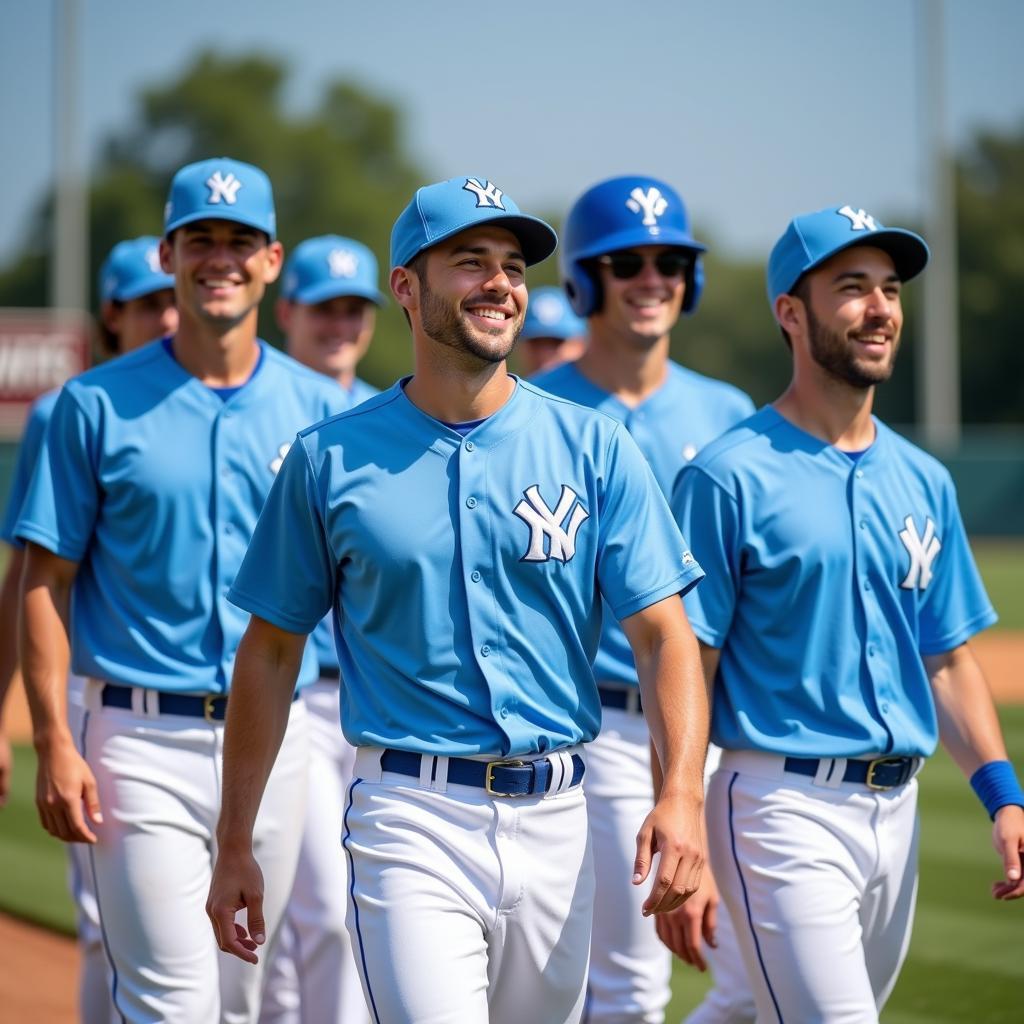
column 418, row 265
column 800, row 290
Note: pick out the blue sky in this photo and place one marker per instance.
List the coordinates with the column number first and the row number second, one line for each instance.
column 754, row 110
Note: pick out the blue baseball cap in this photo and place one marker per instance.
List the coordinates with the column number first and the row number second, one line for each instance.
column 132, row 269
column 327, row 267
column 812, row 238
column 221, row 189
column 439, row 211
column 549, row 315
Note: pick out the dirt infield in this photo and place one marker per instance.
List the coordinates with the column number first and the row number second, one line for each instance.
column 40, row 969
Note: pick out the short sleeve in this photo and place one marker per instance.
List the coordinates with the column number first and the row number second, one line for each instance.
column 643, row 558
column 954, row 605
column 287, row 575
column 709, row 517
column 62, row 504
column 28, row 456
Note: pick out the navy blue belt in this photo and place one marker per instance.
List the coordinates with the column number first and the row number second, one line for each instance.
column 620, row 697
column 882, row 773
column 500, row 778
column 213, row 707
column 330, row 672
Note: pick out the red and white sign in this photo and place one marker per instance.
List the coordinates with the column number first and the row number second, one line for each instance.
column 39, row 350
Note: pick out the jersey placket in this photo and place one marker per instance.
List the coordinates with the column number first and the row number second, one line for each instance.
column 476, row 556
column 221, row 526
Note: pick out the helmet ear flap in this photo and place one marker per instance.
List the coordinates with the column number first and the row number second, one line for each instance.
column 583, row 289
column 694, row 285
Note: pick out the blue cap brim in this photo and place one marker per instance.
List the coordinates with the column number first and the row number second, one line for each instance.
column 537, row 239
column 628, row 240
column 324, row 290
column 221, row 214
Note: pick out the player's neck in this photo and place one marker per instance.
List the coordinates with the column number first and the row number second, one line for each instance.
column 457, row 396
column 831, row 410
column 218, row 359
column 629, row 372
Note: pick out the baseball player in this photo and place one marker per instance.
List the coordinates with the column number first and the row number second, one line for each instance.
column 632, row 268
column 137, row 304
column 327, row 309
column 835, row 620
column 153, row 472
column 462, row 526
column 552, row 333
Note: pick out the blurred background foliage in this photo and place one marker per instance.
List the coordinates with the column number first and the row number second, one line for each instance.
column 344, row 167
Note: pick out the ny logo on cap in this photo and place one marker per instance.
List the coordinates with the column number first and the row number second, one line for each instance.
column 223, row 188
column 859, row 220
column 922, row 551
column 545, row 522
column 342, row 263
column 486, row 194
column 651, row 203
column 153, row 259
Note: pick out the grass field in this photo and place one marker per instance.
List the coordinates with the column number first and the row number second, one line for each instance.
column 965, row 962
column 1002, row 568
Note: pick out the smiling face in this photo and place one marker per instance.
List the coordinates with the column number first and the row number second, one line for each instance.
column 468, row 293
column 221, row 270
column 639, row 310
column 854, row 316
column 330, row 336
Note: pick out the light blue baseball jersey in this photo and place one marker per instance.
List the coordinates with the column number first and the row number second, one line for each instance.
column 28, row 455
column 669, row 427
column 828, row 579
column 464, row 572
column 153, row 484
column 323, row 636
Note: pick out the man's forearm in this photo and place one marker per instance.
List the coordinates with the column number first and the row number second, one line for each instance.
column 10, row 590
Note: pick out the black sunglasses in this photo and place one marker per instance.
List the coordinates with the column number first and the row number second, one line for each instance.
column 627, row 263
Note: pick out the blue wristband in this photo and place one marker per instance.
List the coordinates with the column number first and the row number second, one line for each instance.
column 996, row 785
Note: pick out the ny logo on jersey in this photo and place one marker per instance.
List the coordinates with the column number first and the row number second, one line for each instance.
column 222, row 188
column 486, row 194
column 153, row 259
column 922, row 551
column 276, row 463
column 545, row 522
column 651, row 203
column 342, row 263
column 859, row 220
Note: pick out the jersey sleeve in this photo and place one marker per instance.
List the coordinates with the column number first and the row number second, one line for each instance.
column 954, row 605
column 287, row 575
column 60, row 509
column 632, row 576
column 28, row 456
column 709, row 516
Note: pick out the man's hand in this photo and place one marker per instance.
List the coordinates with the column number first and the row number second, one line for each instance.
column 673, row 831
column 6, row 764
column 683, row 930
column 64, row 783
column 237, row 884
column 1008, row 839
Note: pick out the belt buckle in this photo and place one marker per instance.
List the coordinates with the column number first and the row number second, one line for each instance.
column 489, row 776
column 208, row 706
column 869, row 781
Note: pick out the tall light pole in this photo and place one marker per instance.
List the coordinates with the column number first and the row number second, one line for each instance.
column 938, row 362
column 69, row 259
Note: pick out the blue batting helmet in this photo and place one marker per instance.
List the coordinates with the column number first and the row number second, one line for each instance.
column 621, row 213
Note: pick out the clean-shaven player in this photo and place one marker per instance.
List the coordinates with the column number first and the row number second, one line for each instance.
column 327, row 309
column 137, row 305
column 463, row 526
column 152, row 475
column 835, row 620
column 552, row 333
column 632, row 268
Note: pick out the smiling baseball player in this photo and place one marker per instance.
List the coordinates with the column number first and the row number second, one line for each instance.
column 152, row 475
column 463, row 526
column 632, row 268
column 327, row 309
column 835, row 620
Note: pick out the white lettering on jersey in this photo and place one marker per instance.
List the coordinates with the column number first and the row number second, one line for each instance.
column 922, row 551
column 859, row 220
column 651, row 203
column 222, row 188
column 276, row 463
column 342, row 263
column 544, row 522
column 486, row 193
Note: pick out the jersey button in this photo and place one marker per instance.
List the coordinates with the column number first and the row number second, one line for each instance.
column 859, row 473
column 486, row 651
column 867, row 585
column 471, row 502
column 863, row 524
column 871, row 650
column 885, row 709
column 503, row 711
column 470, row 446
column 475, row 576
